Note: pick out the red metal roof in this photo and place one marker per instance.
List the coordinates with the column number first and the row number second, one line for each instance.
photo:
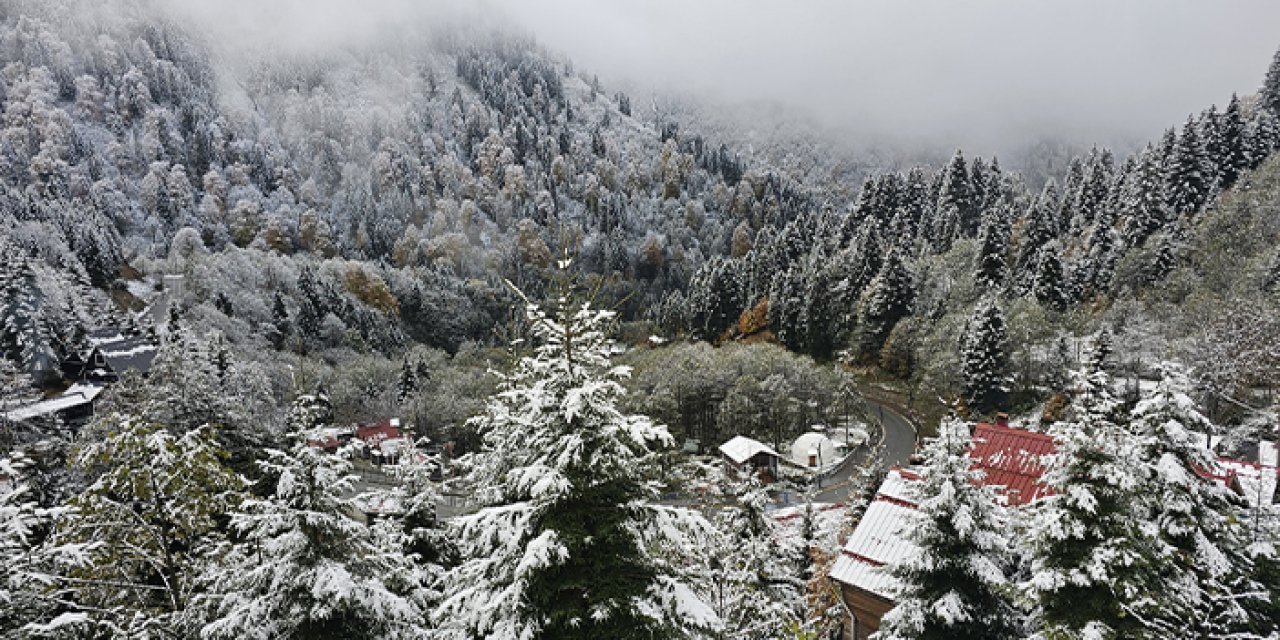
column 377, row 432
column 1013, row 459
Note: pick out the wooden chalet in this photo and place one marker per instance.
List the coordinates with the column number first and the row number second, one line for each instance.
column 110, row 354
column 743, row 455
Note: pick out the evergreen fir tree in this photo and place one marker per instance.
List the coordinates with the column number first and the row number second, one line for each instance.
column 955, row 586
column 1187, row 182
column 303, row 568
column 1047, row 285
column 408, row 382
column 1092, row 194
column 1144, row 204
column 984, row 354
column 25, row 337
column 25, row 589
column 145, row 524
column 1209, row 129
column 566, row 544
column 1207, row 570
column 1094, row 572
column 1269, row 94
column 956, row 215
column 888, row 299
column 1165, row 260
column 280, row 322
column 750, row 584
column 1038, row 229
column 993, row 244
column 1263, row 136
column 425, row 538
column 1234, row 148
column 1094, row 271
column 818, row 315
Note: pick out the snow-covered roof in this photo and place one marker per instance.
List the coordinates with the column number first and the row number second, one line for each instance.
column 103, row 336
column 899, row 485
column 878, row 541
column 372, row 434
column 76, row 395
column 741, row 449
column 816, row 444
column 1013, row 460
column 134, row 354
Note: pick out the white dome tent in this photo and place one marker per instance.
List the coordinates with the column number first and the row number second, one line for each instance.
column 814, row 450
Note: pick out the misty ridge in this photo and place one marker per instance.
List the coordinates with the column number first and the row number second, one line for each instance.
column 540, row 320
column 983, row 75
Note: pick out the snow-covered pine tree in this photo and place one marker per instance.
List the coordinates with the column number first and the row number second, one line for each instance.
column 425, row 536
column 145, row 523
column 984, row 353
column 1048, row 286
column 16, row 389
column 25, row 336
column 818, row 316
column 408, row 382
column 281, row 324
column 955, row 215
column 569, row 543
column 1209, row 129
column 302, row 566
column 993, row 245
column 22, row 586
column 1234, row 150
column 1092, row 194
column 1210, row 593
column 749, row 579
column 184, row 387
column 888, row 299
column 310, row 411
column 1187, row 183
column 1094, row 571
column 1145, row 209
column 1037, row 230
column 1269, row 94
column 956, row 586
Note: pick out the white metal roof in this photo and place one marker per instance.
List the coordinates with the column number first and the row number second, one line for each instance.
column 897, row 486
column 879, row 540
column 741, row 448
column 76, row 395
column 876, row 544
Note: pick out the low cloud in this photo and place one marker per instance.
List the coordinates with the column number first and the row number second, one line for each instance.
column 985, row 74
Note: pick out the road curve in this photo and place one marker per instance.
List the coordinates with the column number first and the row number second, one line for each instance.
column 899, row 443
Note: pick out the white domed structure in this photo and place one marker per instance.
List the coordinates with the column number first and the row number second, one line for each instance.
column 813, row 450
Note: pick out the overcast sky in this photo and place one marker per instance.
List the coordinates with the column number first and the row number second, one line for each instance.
column 981, row 73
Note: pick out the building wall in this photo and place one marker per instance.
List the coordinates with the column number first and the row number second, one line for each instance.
column 867, row 607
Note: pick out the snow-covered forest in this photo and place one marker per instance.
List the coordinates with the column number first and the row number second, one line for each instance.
column 440, row 336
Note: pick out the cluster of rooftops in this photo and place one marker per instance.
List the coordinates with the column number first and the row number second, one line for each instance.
column 383, row 440
column 110, row 353
column 1012, row 461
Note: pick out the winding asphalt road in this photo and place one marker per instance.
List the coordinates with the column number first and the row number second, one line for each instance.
column 899, row 444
